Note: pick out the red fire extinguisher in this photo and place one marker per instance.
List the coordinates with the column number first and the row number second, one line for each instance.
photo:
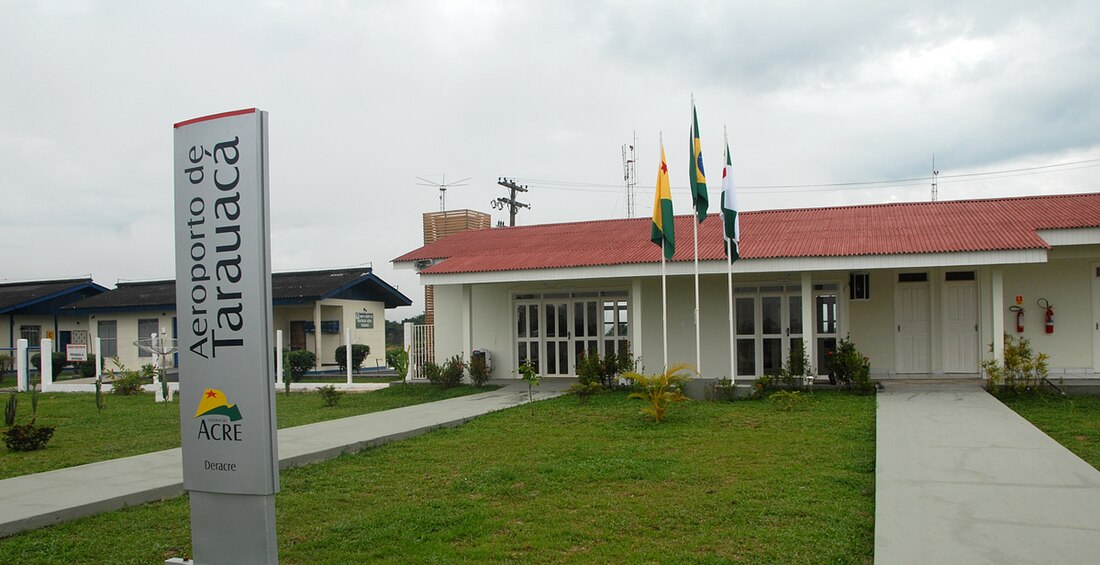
column 1019, row 318
column 1049, row 317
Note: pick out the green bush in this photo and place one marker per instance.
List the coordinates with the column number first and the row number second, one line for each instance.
column 9, row 410
column 27, row 437
column 584, row 390
column 297, row 362
column 359, row 352
column 605, row 370
column 1023, row 370
column 329, row 395
column 850, row 368
column 57, row 361
column 479, row 370
column 86, row 369
column 431, row 371
column 797, row 366
column 128, row 382
column 452, row 372
column 5, row 364
column 788, row 400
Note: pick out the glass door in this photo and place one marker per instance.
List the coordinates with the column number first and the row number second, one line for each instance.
column 527, row 334
column 771, row 334
column 557, row 338
column 745, row 307
column 586, row 329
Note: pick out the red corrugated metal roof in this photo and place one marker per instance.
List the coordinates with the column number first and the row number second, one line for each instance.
column 880, row 229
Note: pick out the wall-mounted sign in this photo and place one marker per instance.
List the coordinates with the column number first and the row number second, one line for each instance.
column 364, row 320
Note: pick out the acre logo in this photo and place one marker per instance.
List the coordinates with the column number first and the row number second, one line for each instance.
column 218, row 417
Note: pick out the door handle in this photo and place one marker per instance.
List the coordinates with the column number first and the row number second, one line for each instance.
column 899, row 328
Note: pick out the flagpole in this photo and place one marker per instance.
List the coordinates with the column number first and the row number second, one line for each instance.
column 729, row 276
column 664, row 288
column 695, row 231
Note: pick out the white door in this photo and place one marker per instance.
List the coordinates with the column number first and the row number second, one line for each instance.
column 556, row 324
column 960, row 327
column 911, row 310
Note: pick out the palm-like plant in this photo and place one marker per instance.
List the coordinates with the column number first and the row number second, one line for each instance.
column 660, row 390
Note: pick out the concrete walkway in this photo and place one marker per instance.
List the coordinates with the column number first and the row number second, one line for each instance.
column 961, row 478
column 42, row 499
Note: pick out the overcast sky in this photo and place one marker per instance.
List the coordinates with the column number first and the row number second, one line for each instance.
column 364, row 97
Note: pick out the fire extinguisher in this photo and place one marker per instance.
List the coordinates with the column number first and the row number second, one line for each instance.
column 1049, row 317
column 1019, row 318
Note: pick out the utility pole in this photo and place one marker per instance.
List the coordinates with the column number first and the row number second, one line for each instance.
column 511, row 203
column 628, row 176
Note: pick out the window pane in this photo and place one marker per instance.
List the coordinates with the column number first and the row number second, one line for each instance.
column 563, row 320
column 551, row 328
column 578, row 319
column 551, row 357
column 146, row 328
column 33, row 335
column 795, row 306
column 769, row 315
column 533, row 319
column 563, row 358
column 521, row 321
column 622, row 320
column 522, row 353
column 746, row 322
column 108, row 337
column 746, row 357
column 593, row 320
column 773, row 355
column 825, row 312
column 825, row 347
column 608, row 318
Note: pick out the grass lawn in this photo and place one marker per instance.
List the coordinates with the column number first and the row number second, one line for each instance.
column 1072, row 421
column 556, row 482
column 131, row 425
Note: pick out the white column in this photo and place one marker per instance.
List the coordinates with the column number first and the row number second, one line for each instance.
column 467, row 319
column 809, row 329
column 21, row 365
column 98, row 358
column 347, row 352
column 45, row 354
column 317, row 332
column 635, row 326
column 998, row 298
column 158, row 392
column 279, row 357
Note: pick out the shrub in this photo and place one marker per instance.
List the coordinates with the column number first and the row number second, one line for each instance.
column 605, row 370
column 479, row 370
column 661, row 390
column 297, row 362
column 86, row 369
column 5, row 364
column 27, row 437
column 788, row 400
column 850, row 368
column 57, row 362
column 452, row 372
column 797, row 366
column 584, row 390
column 359, row 352
column 329, row 396
column 1023, row 370
column 125, row 381
column 431, row 371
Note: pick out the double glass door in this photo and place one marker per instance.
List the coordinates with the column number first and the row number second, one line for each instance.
column 552, row 332
column 769, row 326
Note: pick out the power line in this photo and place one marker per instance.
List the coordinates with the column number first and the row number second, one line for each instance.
column 577, row 186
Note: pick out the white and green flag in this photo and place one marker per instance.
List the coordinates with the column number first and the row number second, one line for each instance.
column 730, row 219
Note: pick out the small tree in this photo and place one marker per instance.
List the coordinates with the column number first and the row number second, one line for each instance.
column 296, row 363
column 452, row 372
column 359, row 352
column 661, row 390
column 479, row 370
column 399, row 360
column 851, row 368
column 528, row 373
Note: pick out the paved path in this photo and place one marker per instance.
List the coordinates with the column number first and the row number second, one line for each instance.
column 34, row 501
column 961, row 478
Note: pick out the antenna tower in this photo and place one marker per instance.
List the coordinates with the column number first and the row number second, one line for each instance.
column 442, row 185
column 935, row 175
column 629, row 179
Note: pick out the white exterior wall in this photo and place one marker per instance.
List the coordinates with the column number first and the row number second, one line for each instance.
column 1067, row 284
column 127, row 325
column 344, row 311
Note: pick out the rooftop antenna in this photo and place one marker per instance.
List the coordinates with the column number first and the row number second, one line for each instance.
column 442, row 185
column 935, row 174
column 629, row 179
